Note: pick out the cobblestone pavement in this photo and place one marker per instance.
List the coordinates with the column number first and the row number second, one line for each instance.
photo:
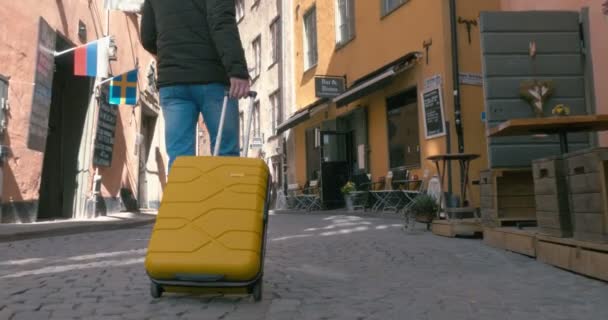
column 318, row 267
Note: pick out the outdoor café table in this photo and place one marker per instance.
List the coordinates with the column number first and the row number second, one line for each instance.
column 408, row 194
column 561, row 126
column 464, row 159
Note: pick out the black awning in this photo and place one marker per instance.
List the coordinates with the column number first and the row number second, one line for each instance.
column 376, row 80
column 293, row 121
column 299, row 117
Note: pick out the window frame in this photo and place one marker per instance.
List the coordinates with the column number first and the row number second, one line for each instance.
column 277, row 110
column 256, row 125
column 313, row 39
column 386, row 11
column 257, row 57
column 242, row 129
column 240, row 17
column 275, row 35
column 347, row 21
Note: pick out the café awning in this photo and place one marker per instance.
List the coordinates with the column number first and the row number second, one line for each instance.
column 376, row 80
column 300, row 116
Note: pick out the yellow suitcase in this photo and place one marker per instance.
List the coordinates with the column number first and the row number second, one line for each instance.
column 211, row 226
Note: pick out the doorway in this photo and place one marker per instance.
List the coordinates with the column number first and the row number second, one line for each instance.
column 148, row 127
column 336, row 160
column 69, row 104
column 403, row 130
column 355, row 123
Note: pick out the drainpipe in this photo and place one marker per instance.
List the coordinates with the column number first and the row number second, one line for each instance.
column 456, row 76
column 456, row 81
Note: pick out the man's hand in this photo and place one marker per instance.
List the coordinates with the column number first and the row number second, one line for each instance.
column 239, row 88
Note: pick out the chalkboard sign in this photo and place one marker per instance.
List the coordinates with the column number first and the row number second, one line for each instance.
column 43, row 87
column 106, row 130
column 432, row 102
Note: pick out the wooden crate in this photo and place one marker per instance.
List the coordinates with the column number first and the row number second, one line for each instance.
column 457, row 228
column 551, row 192
column 512, row 239
column 587, row 183
column 507, row 197
column 585, row 258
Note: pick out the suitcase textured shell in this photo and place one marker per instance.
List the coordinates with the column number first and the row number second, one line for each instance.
column 210, row 224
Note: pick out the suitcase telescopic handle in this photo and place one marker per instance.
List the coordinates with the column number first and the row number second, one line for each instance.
column 218, row 141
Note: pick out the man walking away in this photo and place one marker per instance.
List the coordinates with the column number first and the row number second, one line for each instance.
column 200, row 57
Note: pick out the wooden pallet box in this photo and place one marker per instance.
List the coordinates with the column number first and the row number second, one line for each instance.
column 507, row 197
column 552, row 200
column 587, row 182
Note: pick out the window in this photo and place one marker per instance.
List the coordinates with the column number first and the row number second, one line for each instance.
column 310, row 38
column 277, row 112
column 389, row 6
column 313, row 154
column 240, row 10
column 257, row 56
column 256, row 120
column 274, row 35
column 242, row 132
column 345, row 21
column 403, row 133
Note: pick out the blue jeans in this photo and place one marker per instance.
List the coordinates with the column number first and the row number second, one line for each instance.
column 182, row 105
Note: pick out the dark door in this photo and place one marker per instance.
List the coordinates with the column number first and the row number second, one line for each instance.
column 70, row 100
column 148, row 125
column 336, row 154
column 356, row 124
column 506, row 39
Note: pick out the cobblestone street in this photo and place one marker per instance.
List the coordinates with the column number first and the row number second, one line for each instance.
column 318, row 267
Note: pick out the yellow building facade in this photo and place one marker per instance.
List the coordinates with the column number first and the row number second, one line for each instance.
column 388, row 52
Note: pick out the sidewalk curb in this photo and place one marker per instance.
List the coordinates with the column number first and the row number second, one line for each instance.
column 361, row 214
column 77, row 229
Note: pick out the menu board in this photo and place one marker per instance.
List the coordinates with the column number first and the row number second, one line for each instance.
column 43, row 88
column 434, row 120
column 106, row 129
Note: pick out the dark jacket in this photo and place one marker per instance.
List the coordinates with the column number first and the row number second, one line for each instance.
column 196, row 41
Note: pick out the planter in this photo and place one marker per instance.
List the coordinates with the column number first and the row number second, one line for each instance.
column 425, row 218
column 348, row 199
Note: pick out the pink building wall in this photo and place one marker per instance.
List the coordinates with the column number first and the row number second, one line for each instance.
column 599, row 41
column 19, row 21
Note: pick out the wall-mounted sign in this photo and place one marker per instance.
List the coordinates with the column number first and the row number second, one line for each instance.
column 473, row 79
column 256, row 142
column 434, row 81
column 329, row 87
column 432, row 103
column 43, row 88
column 106, row 130
column 133, row 6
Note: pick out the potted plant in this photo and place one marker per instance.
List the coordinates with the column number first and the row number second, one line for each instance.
column 347, row 189
column 424, row 209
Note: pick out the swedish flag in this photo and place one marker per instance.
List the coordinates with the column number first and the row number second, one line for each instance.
column 123, row 89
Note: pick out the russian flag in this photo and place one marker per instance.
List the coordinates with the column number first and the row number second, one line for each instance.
column 92, row 59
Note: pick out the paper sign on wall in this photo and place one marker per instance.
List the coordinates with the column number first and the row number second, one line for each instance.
column 361, row 156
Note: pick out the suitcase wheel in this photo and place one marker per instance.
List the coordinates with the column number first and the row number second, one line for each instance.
column 155, row 290
column 257, row 291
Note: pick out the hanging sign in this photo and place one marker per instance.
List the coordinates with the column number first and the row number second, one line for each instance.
column 43, row 88
column 434, row 119
column 329, row 87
